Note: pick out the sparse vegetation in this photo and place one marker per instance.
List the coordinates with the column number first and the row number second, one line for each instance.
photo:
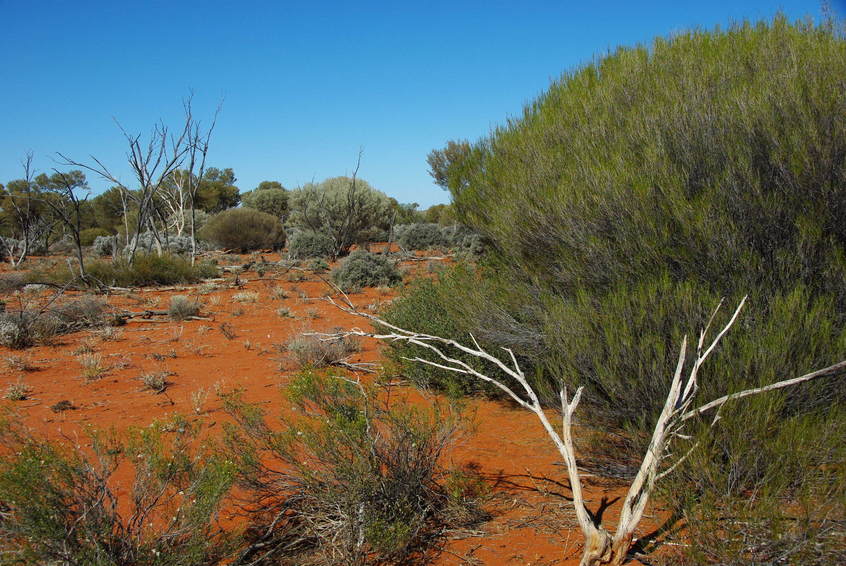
column 350, row 481
column 182, row 308
column 316, row 352
column 92, row 366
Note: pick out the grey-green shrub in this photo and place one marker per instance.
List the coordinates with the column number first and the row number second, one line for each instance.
column 105, row 245
column 270, row 201
column 182, row 307
column 419, row 236
column 244, row 229
column 365, row 269
column 308, row 243
column 340, row 207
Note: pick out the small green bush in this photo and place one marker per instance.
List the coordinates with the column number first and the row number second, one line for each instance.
column 306, row 244
column 350, row 482
column 88, row 235
column 420, row 236
column 244, row 229
column 365, row 269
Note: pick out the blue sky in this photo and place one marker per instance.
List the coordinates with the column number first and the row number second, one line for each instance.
column 307, row 83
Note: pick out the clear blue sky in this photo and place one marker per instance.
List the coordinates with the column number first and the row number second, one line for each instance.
column 307, row 83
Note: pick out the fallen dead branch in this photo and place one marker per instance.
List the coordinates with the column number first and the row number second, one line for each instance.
column 600, row 546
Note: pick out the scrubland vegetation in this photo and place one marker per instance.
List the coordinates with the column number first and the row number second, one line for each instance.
column 585, row 239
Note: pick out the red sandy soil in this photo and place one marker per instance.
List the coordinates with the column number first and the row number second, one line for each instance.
column 532, row 524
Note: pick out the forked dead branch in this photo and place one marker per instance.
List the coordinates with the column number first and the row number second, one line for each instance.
column 601, row 547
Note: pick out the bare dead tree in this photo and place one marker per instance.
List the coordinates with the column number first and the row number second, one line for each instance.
column 19, row 205
column 152, row 162
column 600, row 547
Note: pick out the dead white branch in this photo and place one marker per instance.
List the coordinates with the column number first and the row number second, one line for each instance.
column 601, row 547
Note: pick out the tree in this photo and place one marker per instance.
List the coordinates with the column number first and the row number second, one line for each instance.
column 341, row 207
column 217, row 191
column 23, row 215
column 268, row 198
column 67, row 207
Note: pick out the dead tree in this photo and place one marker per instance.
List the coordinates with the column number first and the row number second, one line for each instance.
column 152, row 163
column 20, row 207
column 67, row 207
column 601, row 547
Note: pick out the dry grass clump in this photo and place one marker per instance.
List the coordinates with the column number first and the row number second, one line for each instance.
column 155, row 381
column 19, row 363
column 17, row 391
column 246, row 297
column 92, row 366
column 182, row 308
column 316, row 352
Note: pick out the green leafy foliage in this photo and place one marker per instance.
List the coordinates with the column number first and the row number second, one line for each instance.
column 308, row 244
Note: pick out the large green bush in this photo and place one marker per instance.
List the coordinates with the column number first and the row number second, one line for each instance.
column 244, row 229
column 639, row 190
column 340, row 207
column 306, row 244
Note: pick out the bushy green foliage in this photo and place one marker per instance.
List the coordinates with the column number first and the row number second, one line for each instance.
column 150, row 269
column 341, row 207
column 640, row 189
column 308, row 243
column 350, row 480
column 419, row 236
column 87, row 236
column 365, row 269
column 59, row 505
column 244, row 229
column 270, row 201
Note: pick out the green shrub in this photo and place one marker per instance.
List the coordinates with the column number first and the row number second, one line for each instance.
column 351, row 481
column 150, row 269
column 633, row 195
column 88, row 235
column 365, row 269
column 308, row 243
column 420, row 236
column 342, row 208
column 269, row 201
column 59, row 505
column 244, row 229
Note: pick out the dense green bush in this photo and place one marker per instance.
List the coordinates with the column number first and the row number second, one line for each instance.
column 150, row 269
column 419, row 236
column 308, row 243
column 269, row 201
column 639, row 190
column 244, row 229
column 349, row 480
column 88, row 235
column 342, row 208
column 365, row 269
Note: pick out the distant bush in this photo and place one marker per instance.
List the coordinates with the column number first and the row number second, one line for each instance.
column 150, row 269
column 365, row 269
column 340, row 207
column 105, row 245
column 169, row 242
column 419, row 236
column 269, row 201
column 88, row 235
column 308, row 243
column 351, row 481
column 244, row 229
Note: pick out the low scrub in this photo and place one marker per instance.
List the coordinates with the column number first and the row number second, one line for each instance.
column 350, row 482
column 32, row 326
column 59, row 506
column 182, row 308
column 316, row 352
column 365, row 269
